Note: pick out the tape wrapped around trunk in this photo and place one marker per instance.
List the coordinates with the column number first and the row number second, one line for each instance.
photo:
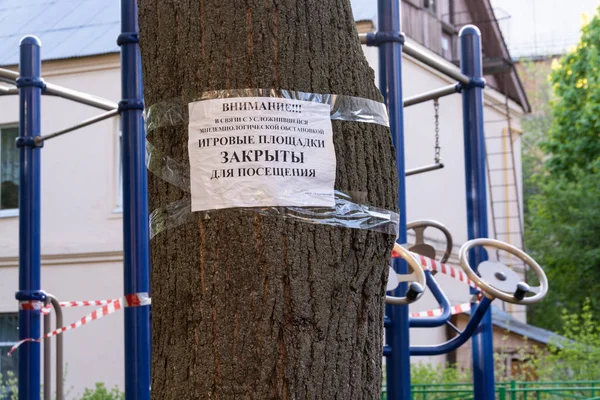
column 349, row 209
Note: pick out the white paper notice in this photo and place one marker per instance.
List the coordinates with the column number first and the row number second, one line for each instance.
column 260, row 151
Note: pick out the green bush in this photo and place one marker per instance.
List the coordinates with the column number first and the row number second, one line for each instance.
column 100, row 392
column 9, row 390
column 437, row 374
column 575, row 357
column 8, row 387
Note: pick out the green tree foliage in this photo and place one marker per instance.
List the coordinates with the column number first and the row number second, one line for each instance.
column 574, row 136
column 575, row 356
column 537, row 124
column 563, row 218
column 564, row 235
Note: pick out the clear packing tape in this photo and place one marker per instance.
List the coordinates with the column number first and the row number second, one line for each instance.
column 348, row 211
column 343, row 108
column 345, row 214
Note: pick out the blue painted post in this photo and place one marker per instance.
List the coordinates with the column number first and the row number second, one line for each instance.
column 135, row 209
column 477, row 316
column 477, row 218
column 440, row 297
column 30, row 86
column 390, row 66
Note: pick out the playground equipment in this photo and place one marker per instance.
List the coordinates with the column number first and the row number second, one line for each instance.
column 418, row 279
column 498, row 281
column 427, row 250
column 437, row 156
column 495, row 280
column 135, row 209
column 470, row 83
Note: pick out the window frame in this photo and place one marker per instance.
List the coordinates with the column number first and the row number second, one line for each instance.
column 448, row 52
column 451, row 33
column 8, row 212
column 117, row 180
column 430, row 6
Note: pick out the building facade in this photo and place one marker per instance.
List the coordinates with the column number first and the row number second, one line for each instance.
column 81, row 204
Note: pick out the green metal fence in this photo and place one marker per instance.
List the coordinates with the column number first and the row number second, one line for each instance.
column 513, row 390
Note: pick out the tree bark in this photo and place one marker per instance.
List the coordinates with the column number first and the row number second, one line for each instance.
column 247, row 306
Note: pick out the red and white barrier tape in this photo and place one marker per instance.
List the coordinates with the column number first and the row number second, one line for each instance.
column 454, row 272
column 31, row 305
column 433, row 265
column 37, row 305
column 108, row 307
column 142, row 299
column 459, row 309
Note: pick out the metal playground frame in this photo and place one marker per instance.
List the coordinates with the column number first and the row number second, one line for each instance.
column 136, row 269
column 470, row 82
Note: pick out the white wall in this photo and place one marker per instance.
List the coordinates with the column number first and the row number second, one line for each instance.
column 79, row 170
column 92, row 353
column 81, row 228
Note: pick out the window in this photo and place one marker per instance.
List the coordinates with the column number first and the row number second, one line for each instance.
column 119, row 168
column 9, row 171
column 9, row 335
column 447, row 46
column 430, row 5
column 116, row 182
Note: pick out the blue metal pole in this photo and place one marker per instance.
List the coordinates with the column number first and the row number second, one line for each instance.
column 477, row 218
column 30, row 86
column 440, row 297
column 135, row 209
column 390, row 42
column 478, row 314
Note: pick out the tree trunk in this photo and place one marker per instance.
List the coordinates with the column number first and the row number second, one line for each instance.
column 247, row 306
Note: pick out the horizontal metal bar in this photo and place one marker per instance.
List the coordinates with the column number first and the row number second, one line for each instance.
column 8, row 91
column 429, row 60
column 363, row 38
column 9, row 81
column 433, row 94
column 498, row 153
column 426, row 168
column 495, row 121
column 83, row 124
column 6, row 75
column 80, row 97
column 69, row 94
